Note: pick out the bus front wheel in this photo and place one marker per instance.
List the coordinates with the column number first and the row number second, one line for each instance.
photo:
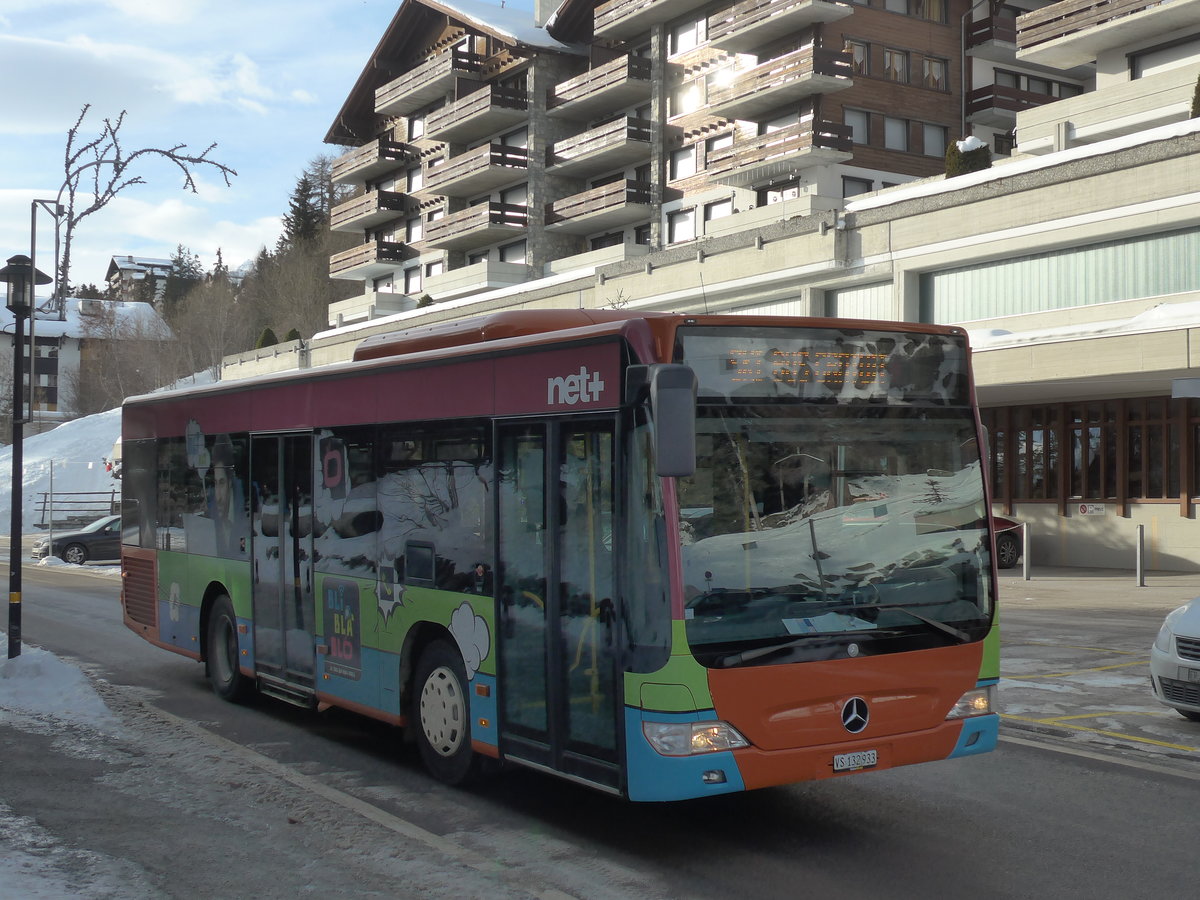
column 222, row 652
column 441, row 714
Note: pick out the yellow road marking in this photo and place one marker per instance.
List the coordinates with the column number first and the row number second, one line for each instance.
column 1140, row 662
column 1068, row 647
column 1062, row 722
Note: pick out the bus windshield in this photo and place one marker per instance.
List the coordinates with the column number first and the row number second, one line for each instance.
column 819, row 530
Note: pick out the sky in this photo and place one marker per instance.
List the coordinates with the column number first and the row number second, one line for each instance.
column 263, row 79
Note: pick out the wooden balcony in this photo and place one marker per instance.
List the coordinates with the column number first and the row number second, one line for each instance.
column 777, row 82
column 370, row 160
column 622, row 19
column 1072, row 33
column 369, row 260
column 613, row 85
column 622, row 142
column 744, row 27
column 599, row 209
column 481, row 113
column 478, row 171
column 477, row 226
column 996, row 106
column 780, row 153
column 430, row 81
column 366, row 211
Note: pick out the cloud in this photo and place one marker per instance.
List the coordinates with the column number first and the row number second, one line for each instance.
column 471, row 633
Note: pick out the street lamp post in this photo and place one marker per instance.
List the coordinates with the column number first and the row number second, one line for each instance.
column 20, row 277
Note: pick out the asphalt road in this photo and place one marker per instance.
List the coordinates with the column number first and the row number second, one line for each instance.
column 1061, row 809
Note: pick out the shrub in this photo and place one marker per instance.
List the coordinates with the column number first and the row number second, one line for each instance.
column 266, row 339
column 969, row 155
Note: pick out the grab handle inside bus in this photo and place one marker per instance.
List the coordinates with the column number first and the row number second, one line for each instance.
column 673, row 404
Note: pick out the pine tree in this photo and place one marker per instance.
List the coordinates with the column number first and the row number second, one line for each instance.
column 266, row 339
column 959, row 162
column 292, row 335
column 304, row 221
column 186, row 273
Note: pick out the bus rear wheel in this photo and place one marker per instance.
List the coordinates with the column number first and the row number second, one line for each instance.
column 441, row 714
column 222, row 655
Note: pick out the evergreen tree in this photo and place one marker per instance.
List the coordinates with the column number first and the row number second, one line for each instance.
column 266, row 339
column 304, row 221
column 292, row 335
column 960, row 162
column 186, row 273
column 220, row 271
column 1196, row 100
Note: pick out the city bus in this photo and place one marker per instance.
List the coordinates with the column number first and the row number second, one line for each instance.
column 665, row 556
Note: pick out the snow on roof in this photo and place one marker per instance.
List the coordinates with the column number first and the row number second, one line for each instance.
column 511, row 22
column 78, row 313
column 1162, row 317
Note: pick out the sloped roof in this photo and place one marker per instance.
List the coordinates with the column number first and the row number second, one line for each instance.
column 402, row 38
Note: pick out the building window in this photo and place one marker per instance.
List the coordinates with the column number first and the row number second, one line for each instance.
column 513, row 253
column 895, row 133
column 935, row 140
column 1003, row 144
column 860, row 57
column 681, row 226
column 719, row 209
column 860, row 125
column 716, row 144
column 412, row 280
column 519, row 138
column 852, row 187
column 384, row 285
column 686, row 36
column 933, row 10
column 687, row 98
column 896, row 6
column 434, row 268
column 683, row 163
column 479, row 256
column 414, row 230
column 516, row 196
column 416, row 180
column 416, row 126
column 895, row 65
column 641, row 235
column 933, row 73
column 615, row 239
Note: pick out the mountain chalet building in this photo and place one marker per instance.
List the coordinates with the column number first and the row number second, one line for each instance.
column 785, row 157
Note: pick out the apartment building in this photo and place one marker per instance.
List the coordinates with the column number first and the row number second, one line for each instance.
column 672, row 155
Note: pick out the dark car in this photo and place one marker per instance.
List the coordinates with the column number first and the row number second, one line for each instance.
column 99, row 540
column 1008, row 542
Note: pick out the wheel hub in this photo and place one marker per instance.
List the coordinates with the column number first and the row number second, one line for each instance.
column 443, row 712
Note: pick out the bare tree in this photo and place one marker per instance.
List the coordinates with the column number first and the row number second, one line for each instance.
column 120, row 356
column 106, row 161
column 210, row 324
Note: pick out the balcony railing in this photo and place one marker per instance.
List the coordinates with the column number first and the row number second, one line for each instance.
column 486, row 275
column 616, row 84
column 1002, row 29
column 801, row 73
column 479, row 170
column 608, row 206
column 997, row 106
column 1068, row 17
column 367, row 210
column 479, row 114
column 621, row 19
column 619, row 143
column 477, row 226
column 1072, row 33
column 780, row 152
column 371, row 159
column 744, row 27
column 369, row 260
column 429, row 81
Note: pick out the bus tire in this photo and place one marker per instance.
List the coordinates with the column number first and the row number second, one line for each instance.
column 441, row 714
column 222, row 656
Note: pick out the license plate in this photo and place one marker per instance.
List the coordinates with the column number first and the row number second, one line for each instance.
column 862, row 759
column 1190, row 674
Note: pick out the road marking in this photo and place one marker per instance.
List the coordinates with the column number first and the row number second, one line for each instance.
column 1063, row 722
column 368, row 811
column 1140, row 662
column 1068, row 647
column 1101, row 757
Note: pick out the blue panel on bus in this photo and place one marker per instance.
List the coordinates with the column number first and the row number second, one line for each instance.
column 179, row 626
column 483, row 709
column 652, row 776
column 979, row 735
column 373, row 683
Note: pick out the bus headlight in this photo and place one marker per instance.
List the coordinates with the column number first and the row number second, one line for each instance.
column 691, row 738
column 977, row 702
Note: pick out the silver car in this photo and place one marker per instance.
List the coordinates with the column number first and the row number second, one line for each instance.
column 99, row 540
column 1175, row 661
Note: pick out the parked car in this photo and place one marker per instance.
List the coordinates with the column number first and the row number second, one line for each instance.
column 1175, row 661
column 99, row 540
column 1008, row 542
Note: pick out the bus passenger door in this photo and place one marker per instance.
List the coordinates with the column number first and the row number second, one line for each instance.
column 561, row 692
column 282, row 474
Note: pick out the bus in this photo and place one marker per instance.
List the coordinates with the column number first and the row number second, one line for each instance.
column 665, row 556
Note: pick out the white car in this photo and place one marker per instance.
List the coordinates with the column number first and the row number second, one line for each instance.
column 1175, row 661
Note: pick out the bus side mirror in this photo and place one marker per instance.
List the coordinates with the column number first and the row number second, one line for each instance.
column 673, row 405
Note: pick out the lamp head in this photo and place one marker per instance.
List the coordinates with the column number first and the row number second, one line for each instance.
column 20, row 276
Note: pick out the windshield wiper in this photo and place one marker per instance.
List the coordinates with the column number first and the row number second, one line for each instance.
column 961, row 636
